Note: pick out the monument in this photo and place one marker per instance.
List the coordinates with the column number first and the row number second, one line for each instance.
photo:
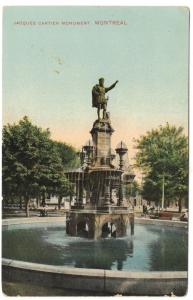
column 99, row 209
column 98, row 97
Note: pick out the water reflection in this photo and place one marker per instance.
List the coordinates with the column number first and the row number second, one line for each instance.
column 170, row 247
column 152, row 248
column 103, row 254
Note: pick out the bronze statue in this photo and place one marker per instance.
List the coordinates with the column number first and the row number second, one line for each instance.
column 98, row 97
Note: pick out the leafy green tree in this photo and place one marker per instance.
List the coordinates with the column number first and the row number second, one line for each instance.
column 162, row 155
column 132, row 189
column 69, row 158
column 151, row 189
column 31, row 164
column 68, row 154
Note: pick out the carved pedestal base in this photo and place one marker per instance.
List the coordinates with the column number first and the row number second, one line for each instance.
column 95, row 224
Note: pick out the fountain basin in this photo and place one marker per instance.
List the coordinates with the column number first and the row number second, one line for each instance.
column 114, row 275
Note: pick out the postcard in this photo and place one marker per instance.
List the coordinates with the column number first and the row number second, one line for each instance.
column 95, row 163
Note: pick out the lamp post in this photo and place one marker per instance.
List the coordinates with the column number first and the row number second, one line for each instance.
column 88, row 148
column 81, row 155
column 121, row 150
column 163, row 191
column 128, row 178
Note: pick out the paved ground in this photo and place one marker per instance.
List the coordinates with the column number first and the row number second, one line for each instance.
column 8, row 214
column 17, row 213
column 21, row 289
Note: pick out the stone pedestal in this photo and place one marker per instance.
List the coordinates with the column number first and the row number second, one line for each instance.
column 101, row 136
column 92, row 224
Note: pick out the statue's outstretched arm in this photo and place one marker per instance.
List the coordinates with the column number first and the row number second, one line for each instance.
column 111, row 87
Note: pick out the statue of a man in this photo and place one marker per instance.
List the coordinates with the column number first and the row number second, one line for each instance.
column 98, row 96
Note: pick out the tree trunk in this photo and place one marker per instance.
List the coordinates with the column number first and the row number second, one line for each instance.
column 43, row 199
column 3, row 203
column 27, row 200
column 71, row 197
column 37, row 201
column 168, row 203
column 59, row 202
column 180, row 205
column 20, row 202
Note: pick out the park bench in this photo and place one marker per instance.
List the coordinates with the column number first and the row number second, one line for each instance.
column 163, row 215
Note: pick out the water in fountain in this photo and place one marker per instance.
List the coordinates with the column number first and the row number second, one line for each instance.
column 47, row 243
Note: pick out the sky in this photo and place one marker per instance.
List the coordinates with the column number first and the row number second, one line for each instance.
column 49, row 70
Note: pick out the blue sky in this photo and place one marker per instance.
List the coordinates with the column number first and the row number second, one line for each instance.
column 49, row 71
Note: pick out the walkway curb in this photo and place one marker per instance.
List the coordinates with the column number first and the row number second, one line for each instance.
column 109, row 282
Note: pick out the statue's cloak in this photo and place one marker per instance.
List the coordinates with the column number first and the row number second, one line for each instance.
column 95, row 96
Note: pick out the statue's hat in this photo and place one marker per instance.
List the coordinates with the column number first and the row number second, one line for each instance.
column 101, row 79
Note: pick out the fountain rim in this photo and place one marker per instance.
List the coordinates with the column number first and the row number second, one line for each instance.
column 100, row 280
column 88, row 277
column 94, row 272
column 145, row 221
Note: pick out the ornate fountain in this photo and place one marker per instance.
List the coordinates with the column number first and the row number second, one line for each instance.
column 99, row 209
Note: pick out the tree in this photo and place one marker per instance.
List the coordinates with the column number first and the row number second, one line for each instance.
column 132, row 189
column 68, row 154
column 162, row 154
column 31, row 164
column 69, row 160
